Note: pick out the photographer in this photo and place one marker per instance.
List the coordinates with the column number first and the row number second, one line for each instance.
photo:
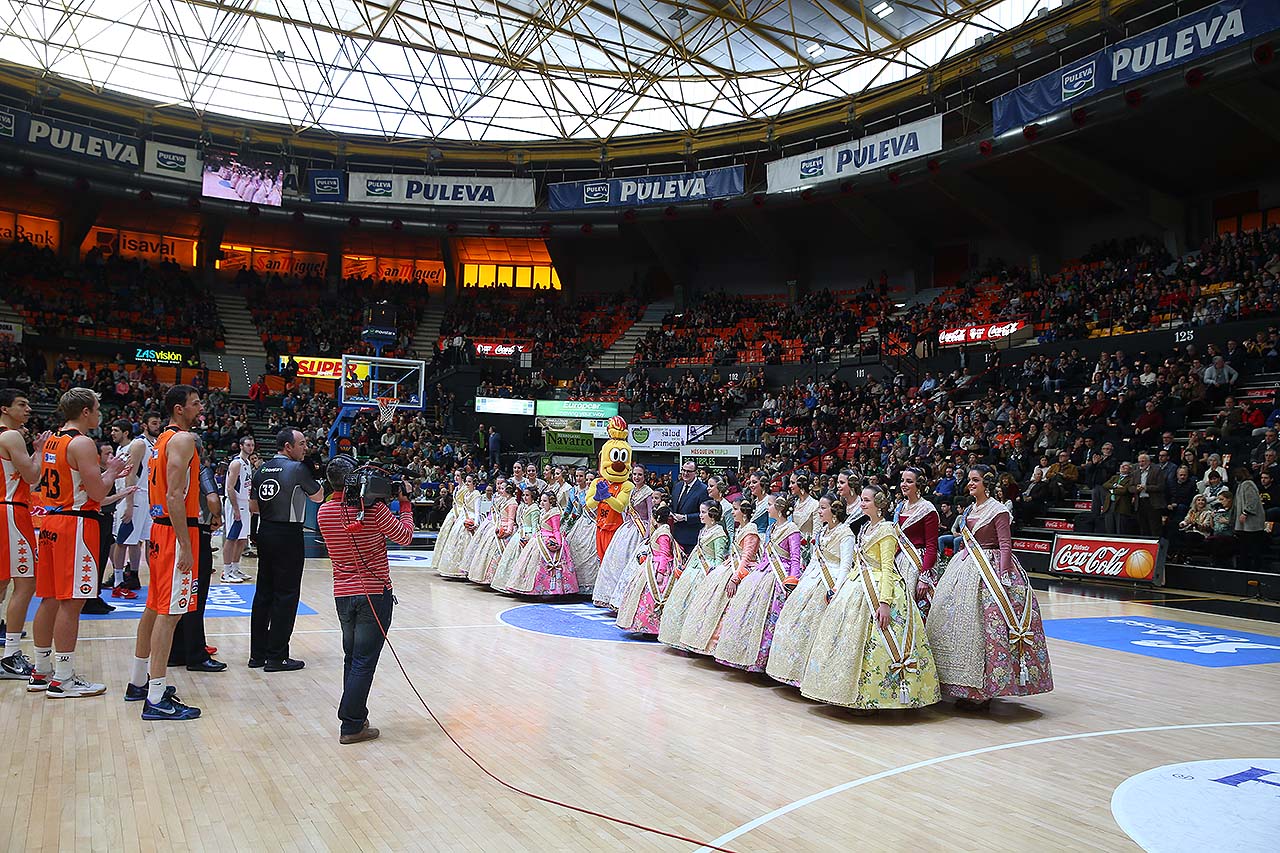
column 356, row 537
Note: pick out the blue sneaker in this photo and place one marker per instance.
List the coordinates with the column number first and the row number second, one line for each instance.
column 134, row 693
column 169, row 709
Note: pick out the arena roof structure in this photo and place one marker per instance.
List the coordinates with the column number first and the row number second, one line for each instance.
column 496, row 70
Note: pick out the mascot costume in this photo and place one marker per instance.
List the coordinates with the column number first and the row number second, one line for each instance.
column 609, row 494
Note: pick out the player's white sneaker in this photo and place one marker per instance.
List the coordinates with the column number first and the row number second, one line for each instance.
column 73, row 689
column 231, row 577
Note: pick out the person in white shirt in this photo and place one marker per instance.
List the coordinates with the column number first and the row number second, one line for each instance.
column 236, row 516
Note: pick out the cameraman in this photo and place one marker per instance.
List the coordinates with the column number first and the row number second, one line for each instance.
column 361, row 587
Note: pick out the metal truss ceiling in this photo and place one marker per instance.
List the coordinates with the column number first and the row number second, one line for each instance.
column 495, row 70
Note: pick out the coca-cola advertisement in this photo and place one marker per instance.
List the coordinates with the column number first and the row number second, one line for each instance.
column 978, row 334
column 1119, row 558
column 485, row 349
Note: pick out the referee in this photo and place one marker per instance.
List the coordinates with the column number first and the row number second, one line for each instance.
column 279, row 494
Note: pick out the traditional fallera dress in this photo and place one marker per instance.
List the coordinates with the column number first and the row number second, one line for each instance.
column 710, row 551
column 701, row 631
column 496, row 535
column 581, row 540
column 805, row 517
column 481, row 539
column 855, row 663
column 746, row 632
column 830, row 560
column 528, row 519
column 917, row 529
column 449, row 527
column 450, row 564
column 620, row 558
column 643, row 601
column 984, row 625
column 544, row 566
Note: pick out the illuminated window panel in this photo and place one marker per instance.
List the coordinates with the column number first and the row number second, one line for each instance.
column 542, row 277
column 524, row 277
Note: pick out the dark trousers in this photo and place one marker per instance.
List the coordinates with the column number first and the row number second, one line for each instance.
column 363, row 620
column 1252, row 556
column 279, row 585
column 188, row 637
column 1149, row 518
column 1121, row 524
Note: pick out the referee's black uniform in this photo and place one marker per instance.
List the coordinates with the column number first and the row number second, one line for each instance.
column 281, row 488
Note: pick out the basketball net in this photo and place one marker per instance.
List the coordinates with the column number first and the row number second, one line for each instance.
column 386, row 410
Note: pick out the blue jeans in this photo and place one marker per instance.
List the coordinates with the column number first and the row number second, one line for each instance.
column 362, row 641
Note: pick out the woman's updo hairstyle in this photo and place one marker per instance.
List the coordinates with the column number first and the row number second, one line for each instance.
column 879, row 497
column 714, row 512
column 784, row 504
column 839, row 511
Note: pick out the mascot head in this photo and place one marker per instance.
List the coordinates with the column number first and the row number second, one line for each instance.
column 615, row 456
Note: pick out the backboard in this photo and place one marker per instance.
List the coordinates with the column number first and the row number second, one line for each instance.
column 365, row 378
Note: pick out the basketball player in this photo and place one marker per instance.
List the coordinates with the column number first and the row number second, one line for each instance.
column 174, row 490
column 133, row 517
column 18, row 473
column 72, row 486
column 235, row 537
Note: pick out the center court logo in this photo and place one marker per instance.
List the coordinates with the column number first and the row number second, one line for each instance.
column 811, row 168
column 1077, row 81
column 595, row 193
column 579, row 621
column 380, row 187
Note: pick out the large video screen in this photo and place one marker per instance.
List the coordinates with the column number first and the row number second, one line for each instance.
column 254, row 180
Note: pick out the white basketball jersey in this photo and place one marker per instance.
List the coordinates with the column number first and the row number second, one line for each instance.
column 244, row 484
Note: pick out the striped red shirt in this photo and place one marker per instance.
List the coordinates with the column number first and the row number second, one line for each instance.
column 360, row 558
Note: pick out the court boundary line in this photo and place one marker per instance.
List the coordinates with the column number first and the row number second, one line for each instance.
column 311, row 630
column 955, row 756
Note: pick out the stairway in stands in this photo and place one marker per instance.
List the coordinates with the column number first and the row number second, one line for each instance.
column 624, row 349
column 244, row 357
column 428, row 332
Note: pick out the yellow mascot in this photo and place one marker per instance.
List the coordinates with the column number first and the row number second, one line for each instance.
column 609, row 494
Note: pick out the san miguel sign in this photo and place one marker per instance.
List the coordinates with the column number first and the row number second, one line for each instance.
column 977, row 334
column 1119, row 558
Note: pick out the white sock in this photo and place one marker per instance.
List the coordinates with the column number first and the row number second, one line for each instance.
column 63, row 666
column 155, row 690
column 138, row 672
column 12, row 641
column 236, row 566
column 119, row 577
column 44, row 660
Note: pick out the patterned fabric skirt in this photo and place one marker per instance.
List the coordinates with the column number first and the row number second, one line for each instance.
column 638, row 611
column 850, row 663
column 615, row 566
column 674, row 614
column 793, row 635
column 533, row 575
column 505, row 570
column 746, row 632
column 976, row 660
column 581, row 540
column 448, row 529
column 486, row 534
column 701, row 631
column 450, row 564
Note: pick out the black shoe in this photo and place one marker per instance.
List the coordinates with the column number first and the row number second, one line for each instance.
column 256, row 663
column 286, row 665
column 131, row 580
column 209, row 665
column 96, row 607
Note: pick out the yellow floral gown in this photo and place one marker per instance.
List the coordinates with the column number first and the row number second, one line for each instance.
column 450, row 564
column 852, row 662
column 829, row 564
column 701, row 631
column 450, row 526
column 710, row 551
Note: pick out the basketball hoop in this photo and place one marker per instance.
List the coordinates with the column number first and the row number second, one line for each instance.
column 386, row 410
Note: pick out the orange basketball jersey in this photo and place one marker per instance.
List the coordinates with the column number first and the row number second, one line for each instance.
column 13, row 489
column 61, row 486
column 158, row 488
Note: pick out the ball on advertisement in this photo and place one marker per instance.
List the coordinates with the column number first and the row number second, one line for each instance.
column 1140, row 564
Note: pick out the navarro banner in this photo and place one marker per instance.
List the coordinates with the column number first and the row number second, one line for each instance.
column 327, row 184
column 647, row 189
column 172, row 161
column 1108, row 557
column 1188, row 39
column 877, row 151
column 444, row 190
column 83, row 142
column 976, row 334
column 572, row 443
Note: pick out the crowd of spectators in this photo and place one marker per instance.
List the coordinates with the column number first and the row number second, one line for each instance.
column 108, row 296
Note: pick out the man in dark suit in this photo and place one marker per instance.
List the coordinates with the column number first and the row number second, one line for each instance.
column 1148, row 490
column 689, row 494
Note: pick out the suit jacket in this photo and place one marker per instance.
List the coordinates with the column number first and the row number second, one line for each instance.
column 686, row 500
column 1155, row 487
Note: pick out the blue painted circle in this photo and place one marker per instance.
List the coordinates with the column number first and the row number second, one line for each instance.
column 580, row 620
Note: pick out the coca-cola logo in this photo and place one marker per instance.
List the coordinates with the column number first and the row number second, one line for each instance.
column 970, row 334
column 1104, row 558
column 500, row 350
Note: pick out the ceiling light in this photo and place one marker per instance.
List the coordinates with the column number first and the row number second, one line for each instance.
column 883, row 10
column 815, row 50
column 1023, row 48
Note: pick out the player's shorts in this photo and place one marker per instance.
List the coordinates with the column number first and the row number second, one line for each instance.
column 67, row 566
column 141, row 524
column 229, row 521
column 17, row 542
column 171, row 591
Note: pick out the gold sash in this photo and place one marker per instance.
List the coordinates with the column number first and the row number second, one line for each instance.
column 702, row 554
column 775, row 557
column 822, row 563
column 1020, row 634
column 903, row 662
column 651, row 577
column 551, row 558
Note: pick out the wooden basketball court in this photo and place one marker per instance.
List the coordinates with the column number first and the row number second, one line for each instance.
column 631, row 729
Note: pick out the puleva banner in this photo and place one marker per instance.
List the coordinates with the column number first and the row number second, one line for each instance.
column 443, row 190
column 1185, row 40
column 647, row 189
column 172, row 161
column 327, row 184
column 867, row 154
column 83, row 142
